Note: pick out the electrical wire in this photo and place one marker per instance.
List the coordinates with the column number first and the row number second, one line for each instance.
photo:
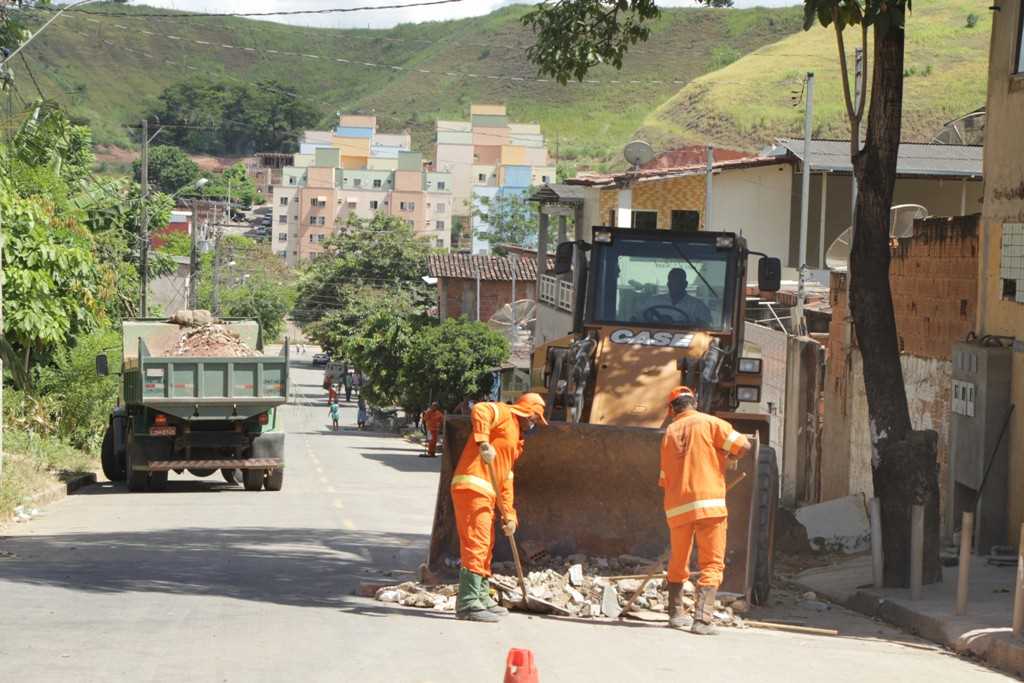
column 42, row 28
column 282, row 13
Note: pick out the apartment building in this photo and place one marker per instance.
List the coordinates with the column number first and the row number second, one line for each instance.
column 354, row 170
column 488, row 156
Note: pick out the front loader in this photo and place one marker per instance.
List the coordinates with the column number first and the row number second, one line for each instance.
column 652, row 310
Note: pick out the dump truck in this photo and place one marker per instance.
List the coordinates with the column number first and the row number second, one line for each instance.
column 651, row 310
column 200, row 410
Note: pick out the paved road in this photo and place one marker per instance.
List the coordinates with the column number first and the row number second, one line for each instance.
column 211, row 583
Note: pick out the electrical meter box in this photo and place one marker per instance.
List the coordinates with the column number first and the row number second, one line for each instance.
column 980, row 404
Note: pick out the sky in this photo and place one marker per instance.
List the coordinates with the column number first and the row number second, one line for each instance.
column 383, row 18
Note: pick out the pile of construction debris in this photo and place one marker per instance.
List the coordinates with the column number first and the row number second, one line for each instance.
column 583, row 587
column 205, row 337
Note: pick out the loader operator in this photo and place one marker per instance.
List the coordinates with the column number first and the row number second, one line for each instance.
column 486, row 464
column 694, row 457
column 677, row 306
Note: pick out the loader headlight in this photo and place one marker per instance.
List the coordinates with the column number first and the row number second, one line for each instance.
column 602, row 236
column 749, row 394
column 750, row 366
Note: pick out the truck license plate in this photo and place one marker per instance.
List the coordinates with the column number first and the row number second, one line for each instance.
column 163, row 430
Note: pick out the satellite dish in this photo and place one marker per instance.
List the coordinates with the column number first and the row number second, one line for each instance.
column 638, row 153
column 902, row 217
column 901, row 226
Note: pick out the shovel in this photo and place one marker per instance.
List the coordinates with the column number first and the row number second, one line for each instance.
column 530, row 603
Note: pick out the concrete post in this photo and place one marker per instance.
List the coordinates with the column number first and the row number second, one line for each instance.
column 542, row 247
column 1018, row 596
column 916, row 551
column 877, row 564
column 962, row 579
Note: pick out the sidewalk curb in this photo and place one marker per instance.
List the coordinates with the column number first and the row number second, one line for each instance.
column 994, row 647
column 55, row 492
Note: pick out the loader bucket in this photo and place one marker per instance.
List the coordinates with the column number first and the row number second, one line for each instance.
column 593, row 489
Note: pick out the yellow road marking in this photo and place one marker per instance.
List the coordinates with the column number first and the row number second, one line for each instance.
column 330, row 489
column 338, row 504
column 348, row 524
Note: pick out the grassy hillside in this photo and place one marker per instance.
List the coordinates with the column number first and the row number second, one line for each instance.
column 726, row 76
column 748, row 102
column 108, row 68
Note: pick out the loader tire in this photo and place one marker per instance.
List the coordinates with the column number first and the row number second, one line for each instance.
column 556, row 410
column 158, row 481
column 253, row 479
column 231, row 476
column 113, row 467
column 767, row 492
column 275, row 479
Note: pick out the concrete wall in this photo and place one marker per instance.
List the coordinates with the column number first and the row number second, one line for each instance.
column 1004, row 203
column 933, row 276
column 755, row 202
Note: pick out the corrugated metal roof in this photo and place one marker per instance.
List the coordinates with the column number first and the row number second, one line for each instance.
column 915, row 159
column 465, row 267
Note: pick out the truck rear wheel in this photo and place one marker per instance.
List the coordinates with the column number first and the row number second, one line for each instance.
column 275, row 479
column 767, row 492
column 113, row 467
column 253, row 479
column 137, row 480
column 158, row 481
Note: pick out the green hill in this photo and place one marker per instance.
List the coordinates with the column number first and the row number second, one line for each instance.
column 705, row 75
column 108, row 68
column 748, row 102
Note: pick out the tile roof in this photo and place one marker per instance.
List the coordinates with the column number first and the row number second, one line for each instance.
column 915, row 159
column 465, row 267
column 673, row 172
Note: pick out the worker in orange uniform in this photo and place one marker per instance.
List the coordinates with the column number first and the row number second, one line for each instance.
column 695, row 452
column 485, row 464
column 433, row 420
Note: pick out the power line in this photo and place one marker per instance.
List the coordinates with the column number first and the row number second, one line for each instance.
column 330, row 10
column 42, row 28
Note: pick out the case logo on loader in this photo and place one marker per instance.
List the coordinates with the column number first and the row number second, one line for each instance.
column 678, row 340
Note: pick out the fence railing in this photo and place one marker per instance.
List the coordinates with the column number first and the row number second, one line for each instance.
column 556, row 293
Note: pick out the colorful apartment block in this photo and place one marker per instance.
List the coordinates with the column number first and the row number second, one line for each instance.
column 354, row 170
column 488, row 156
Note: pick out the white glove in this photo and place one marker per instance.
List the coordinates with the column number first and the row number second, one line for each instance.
column 509, row 527
column 487, row 452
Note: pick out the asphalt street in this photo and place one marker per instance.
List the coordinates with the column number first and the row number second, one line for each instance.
column 208, row 582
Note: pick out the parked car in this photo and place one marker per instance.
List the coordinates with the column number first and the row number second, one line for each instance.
column 321, row 359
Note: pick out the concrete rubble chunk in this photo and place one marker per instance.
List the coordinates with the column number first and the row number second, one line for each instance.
column 839, row 525
column 810, row 595
column 610, row 602
column 576, row 574
column 629, row 586
column 688, row 587
column 575, row 595
column 740, row 607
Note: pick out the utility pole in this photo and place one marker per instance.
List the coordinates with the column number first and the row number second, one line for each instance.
column 805, row 196
column 216, row 272
column 477, row 275
column 193, row 265
column 708, row 187
column 144, row 222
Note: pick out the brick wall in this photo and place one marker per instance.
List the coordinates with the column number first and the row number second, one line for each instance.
column 684, row 193
column 460, row 296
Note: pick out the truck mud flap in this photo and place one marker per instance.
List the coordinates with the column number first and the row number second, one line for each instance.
column 593, row 489
column 269, row 446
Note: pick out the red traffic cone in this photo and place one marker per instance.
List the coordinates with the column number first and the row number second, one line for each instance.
column 519, row 667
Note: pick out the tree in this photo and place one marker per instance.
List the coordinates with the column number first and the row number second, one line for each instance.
column 367, row 259
column 234, row 118
column 574, row 35
column 452, row 361
column 170, row 169
column 511, row 219
column 379, row 346
column 260, row 298
column 233, row 184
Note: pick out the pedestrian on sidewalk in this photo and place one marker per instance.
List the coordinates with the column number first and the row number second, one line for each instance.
column 347, row 380
column 492, row 451
column 357, row 382
column 361, row 413
column 695, row 454
column 335, row 414
column 433, row 420
column 332, row 393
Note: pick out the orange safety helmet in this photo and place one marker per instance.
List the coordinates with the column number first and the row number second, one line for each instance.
column 530, row 405
column 676, row 393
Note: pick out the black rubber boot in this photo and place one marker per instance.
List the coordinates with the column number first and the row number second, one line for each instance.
column 678, row 617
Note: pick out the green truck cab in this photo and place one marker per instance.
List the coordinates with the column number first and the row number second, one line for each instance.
column 196, row 413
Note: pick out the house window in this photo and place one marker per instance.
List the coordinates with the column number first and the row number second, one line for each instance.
column 685, row 221
column 481, row 177
column 312, row 201
column 407, row 206
column 357, row 182
column 352, row 205
column 440, row 243
column 320, row 220
column 320, row 238
column 284, row 201
column 440, row 184
column 1011, row 262
column 312, row 220
column 312, row 238
column 439, row 225
column 282, row 218
column 291, row 180
column 440, row 208
column 545, row 178
column 374, row 204
column 377, row 182
column 282, row 237
column 645, row 220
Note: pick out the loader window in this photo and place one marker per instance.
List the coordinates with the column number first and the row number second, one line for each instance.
column 671, row 283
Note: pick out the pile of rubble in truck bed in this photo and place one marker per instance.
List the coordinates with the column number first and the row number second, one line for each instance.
column 203, row 336
column 584, row 587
